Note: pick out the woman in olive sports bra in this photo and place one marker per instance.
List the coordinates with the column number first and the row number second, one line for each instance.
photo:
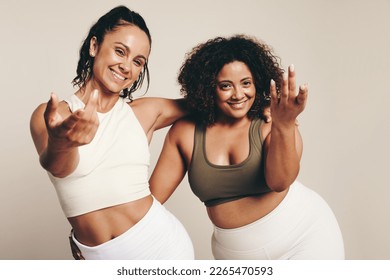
column 242, row 168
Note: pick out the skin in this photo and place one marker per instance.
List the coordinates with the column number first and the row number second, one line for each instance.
column 227, row 143
column 58, row 133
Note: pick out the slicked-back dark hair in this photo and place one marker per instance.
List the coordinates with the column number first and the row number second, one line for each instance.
column 198, row 74
column 116, row 17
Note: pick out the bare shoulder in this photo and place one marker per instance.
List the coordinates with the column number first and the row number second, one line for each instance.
column 155, row 113
column 143, row 101
column 38, row 127
column 38, row 112
column 152, row 102
column 181, row 135
column 183, row 126
column 151, row 105
column 182, row 132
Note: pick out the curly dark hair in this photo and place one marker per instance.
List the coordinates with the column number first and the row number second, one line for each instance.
column 198, row 74
column 116, row 17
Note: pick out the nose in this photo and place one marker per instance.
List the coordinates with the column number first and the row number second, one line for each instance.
column 238, row 93
column 125, row 66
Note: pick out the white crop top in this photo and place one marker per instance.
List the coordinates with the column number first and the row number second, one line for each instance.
column 113, row 168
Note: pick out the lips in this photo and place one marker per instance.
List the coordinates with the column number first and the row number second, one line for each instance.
column 237, row 105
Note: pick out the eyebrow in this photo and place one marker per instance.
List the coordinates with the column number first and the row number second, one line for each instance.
column 246, row 78
column 229, row 81
column 128, row 50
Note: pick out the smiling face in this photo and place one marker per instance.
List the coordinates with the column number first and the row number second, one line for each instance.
column 235, row 92
column 119, row 59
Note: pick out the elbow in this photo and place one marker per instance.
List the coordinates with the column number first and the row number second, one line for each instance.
column 56, row 172
column 281, row 181
column 45, row 165
column 280, row 185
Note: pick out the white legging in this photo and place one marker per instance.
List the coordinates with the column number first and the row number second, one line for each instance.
column 301, row 227
column 158, row 236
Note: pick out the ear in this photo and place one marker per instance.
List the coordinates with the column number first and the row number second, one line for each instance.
column 93, row 46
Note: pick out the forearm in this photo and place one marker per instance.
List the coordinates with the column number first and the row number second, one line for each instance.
column 59, row 162
column 282, row 159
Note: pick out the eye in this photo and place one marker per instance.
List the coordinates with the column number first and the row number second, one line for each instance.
column 225, row 86
column 119, row 52
column 247, row 83
column 139, row 62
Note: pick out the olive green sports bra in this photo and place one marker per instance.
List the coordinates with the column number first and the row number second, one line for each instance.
column 216, row 184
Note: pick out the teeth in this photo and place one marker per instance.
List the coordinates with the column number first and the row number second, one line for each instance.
column 236, row 105
column 118, row 76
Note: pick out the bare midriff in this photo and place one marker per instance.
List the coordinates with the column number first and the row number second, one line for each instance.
column 244, row 211
column 97, row 227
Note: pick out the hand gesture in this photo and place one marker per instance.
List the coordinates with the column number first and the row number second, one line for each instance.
column 286, row 106
column 77, row 129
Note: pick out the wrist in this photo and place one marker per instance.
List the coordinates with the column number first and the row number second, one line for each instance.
column 58, row 146
column 283, row 126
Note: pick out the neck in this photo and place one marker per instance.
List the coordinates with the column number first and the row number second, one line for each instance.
column 106, row 101
column 232, row 122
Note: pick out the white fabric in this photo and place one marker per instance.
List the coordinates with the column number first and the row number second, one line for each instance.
column 302, row 227
column 113, row 168
column 158, row 236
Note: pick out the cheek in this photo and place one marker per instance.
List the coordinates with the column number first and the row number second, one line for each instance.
column 222, row 96
column 219, row 102
column 137, row 73
column 108, row 57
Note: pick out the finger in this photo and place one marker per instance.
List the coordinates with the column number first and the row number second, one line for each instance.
column 274, row 95
column 91, row 108
column 52, row 104
column 302, row 95
column 91, row 105
column 285, row 92
column 291, row 81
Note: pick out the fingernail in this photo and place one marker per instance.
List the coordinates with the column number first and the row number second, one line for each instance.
column 292, row 68
column 285, row 76
column 272, row 82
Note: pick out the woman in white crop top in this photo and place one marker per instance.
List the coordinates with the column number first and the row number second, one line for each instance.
column 94, row 146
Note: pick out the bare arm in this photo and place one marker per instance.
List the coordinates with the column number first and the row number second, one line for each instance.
column 170, row 168
column 57, row 138
column 283, row 146
column 155, row 113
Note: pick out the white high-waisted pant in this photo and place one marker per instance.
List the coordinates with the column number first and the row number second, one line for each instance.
column 302, row 227
column 158, row 236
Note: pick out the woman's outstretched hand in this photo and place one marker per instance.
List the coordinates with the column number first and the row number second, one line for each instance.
column 287, row 105
column 77, row 129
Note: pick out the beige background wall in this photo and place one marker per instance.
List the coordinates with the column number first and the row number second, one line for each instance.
column 342, row 48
